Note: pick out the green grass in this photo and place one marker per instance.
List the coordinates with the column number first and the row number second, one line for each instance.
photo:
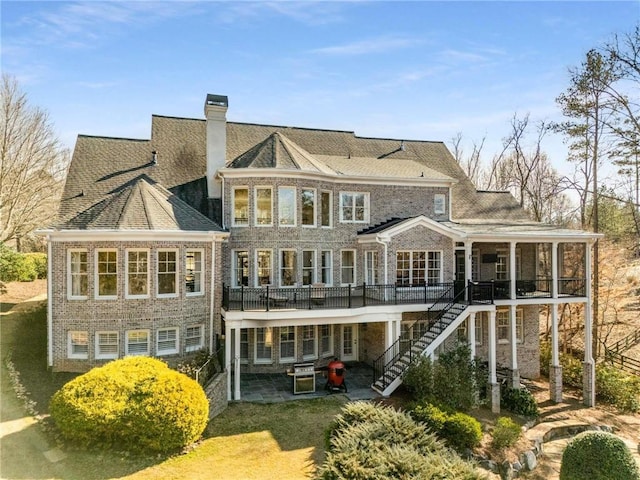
column 247, row 441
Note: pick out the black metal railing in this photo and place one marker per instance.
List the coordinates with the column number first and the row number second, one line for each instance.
column 474, row 293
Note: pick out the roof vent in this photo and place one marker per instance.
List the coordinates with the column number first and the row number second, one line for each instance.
column 154, row 158
column 402, row 145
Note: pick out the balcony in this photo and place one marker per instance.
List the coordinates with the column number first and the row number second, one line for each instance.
column 539, row 288
column 355, row 296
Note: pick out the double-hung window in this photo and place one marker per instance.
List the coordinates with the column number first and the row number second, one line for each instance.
column 194, row 272
column 309, row 342
column 77, row 275
column 240, row 207
column 439, row 204
column 107, row 274
column 326, row 267
column 137, row 273
column 167, row 273
column 78, row 345
column 107, row 346
column 287, row 344
column 354, row 207
column 138, row 342
column 347, row 267
column 502, row 265
column 308, row 206
column 244, row 345
column 193, row 338
column 326, row 208
column 371, row 267
column 502, row 325
column 287, row 206
column 288, row 268
column 265, row 267
column 326, row 340
column 434, row 268
column 240, row 268
column 264, row 206
column 308, row 267
column 167, row 341
column 264, row 345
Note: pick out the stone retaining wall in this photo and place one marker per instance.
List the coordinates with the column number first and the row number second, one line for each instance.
column 216, row 391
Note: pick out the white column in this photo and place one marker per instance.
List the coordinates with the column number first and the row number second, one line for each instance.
column 493, row 382
column 468, row 262
column 589, row 370
column 236, row 364
column 555, row 270
column 555, row 357
column 227, row 358
column 513, row 338
column 471, row 334
column 512, row 270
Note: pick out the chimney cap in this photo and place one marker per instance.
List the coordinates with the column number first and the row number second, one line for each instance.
column 217, row 100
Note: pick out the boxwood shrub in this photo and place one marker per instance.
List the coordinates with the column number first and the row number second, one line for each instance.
column 134, row 404
column 519, row 401
column 506, row 433
column 598, row 456
column 457, row 429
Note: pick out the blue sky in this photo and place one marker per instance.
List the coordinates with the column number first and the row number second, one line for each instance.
column 407, row 70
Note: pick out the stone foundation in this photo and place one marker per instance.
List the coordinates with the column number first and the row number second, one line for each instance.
column 514, row 378
column 589, row 384
column 555, row 383
column 495, row 397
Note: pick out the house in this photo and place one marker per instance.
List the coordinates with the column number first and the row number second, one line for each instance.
column 299, row 245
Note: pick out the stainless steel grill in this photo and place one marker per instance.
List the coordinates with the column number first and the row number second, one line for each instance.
column 304, row 378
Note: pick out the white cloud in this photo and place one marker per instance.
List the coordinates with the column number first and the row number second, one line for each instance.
column 373, row 45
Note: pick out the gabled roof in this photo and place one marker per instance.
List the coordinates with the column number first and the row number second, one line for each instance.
column 396, row 226
column 141, row 205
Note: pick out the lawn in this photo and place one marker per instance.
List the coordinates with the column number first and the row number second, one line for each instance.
column 247, row 441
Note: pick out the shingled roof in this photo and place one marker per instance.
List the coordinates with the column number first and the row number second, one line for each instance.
column 101, row 165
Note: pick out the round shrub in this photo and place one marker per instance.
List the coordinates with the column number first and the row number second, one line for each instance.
column 430, row 415
column 598, row 456
column 39, row 262
column 462, row 431
column 519, row 401
column 137, row 404
column 506, row 433
column 14, row 266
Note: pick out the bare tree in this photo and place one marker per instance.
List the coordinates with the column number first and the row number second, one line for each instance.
column 472, row 164
column 32, row 163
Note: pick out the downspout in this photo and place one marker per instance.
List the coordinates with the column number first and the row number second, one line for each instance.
column 212, row 292
column 222, row 202
column 49, row 303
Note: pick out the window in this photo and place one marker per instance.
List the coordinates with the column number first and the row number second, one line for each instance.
column 264, row 345
column 78, row 345
column 480, row 319
column 326, row 340
column 502, row 265
column 244, row 345
column 167, row 342
column 193, row 338
column 138, row 342
column 462, row 332
column 77, row 275
column 439, row 203
column 326, row 267
column 107, row 274
column 326, row 209
column 240, row 207
column 287, row 344
column 137, row 273
column 288, row 268
column 308, row 267
column 354, row 207
column 167, row 273
column 308, row 201
column 371, row 267
column 264, row 206
column 309, row 342
column 519, row 325
column 106, row 345
column 287, row 206
column 348, row 267
column 194, row 272
column 475, row 264
column 416, row 267
column 264, row 263
column 503, row 327
column 240, row 268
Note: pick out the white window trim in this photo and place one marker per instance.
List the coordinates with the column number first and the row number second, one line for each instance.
column 295, row 346
column 257, row 275
column 295, row 270
column 315, row 207
column 439, row 204
column 202, row 272
column 70, row 295
column 330, row 282
column 355, row 269
column 426, row 265
column 137, row 354
column 106, row 356
column 176, row 274
column 171, row 351
column 260, row 360
column 194, row 348
column 330, row 208
column 294, row 208
column 234, row 267
column 255, row 205
column 70, row 354
column 314, row 267
column 233, row 207
column 441, row 272
column 479, row 326
column 366, row 207
column 367, row 267
column 314, row 355
column 97, row 275
column 244, row 361
column 519, row 320
column 126, row 272
column 328, row 353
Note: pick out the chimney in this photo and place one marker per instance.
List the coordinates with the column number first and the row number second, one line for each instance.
column 215, row 110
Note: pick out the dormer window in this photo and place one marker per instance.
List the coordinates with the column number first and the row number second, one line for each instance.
column 439, row 204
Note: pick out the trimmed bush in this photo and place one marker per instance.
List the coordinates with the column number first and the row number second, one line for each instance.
column 372, row 442
column 618, row 388
column 519, row 401
column 506, row 433
column 39, row 262
column 14, row 267
column 135, row 404
column 598, row 456
column 462, row 431
column 430, row 415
